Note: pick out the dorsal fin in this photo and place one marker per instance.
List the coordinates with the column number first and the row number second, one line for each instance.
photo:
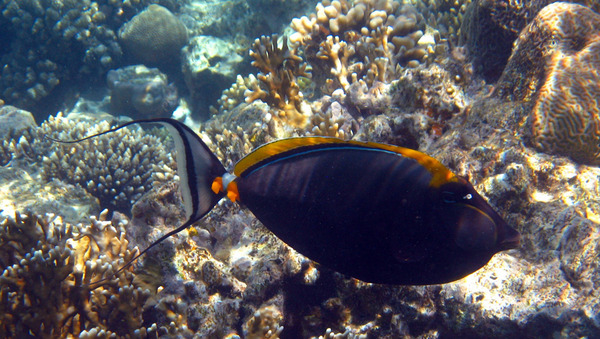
column 292, row 146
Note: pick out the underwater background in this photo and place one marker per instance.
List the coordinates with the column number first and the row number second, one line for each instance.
column 504, row 93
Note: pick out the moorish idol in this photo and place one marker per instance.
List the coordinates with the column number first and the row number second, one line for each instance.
column 375, row 212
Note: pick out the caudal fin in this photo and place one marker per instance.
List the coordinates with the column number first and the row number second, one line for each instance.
column 197, row 167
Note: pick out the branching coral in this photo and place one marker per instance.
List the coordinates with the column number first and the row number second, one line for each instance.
column 39, row 31
column 363, row 40
column 47, row 285
column 279, row 68
column 116, row 168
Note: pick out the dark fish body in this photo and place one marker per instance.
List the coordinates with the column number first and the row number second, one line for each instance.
column 372, row 214
column 375, row 212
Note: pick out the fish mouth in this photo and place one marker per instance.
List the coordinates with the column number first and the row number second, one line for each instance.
column 510, row 241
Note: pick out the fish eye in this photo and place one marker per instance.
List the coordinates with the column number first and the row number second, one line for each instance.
column 468, row 197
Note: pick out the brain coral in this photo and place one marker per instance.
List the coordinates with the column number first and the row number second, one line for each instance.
column 491, row 26
column 556, row 63
column 154, row 36
column 47, row 267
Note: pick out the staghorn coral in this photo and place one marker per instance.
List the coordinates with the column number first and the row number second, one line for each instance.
column 279, row 68
column 47, row 285
column 154, row 36
column 117, row 168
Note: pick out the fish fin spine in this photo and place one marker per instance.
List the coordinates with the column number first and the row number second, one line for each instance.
column 217, row 185
column 232, row 191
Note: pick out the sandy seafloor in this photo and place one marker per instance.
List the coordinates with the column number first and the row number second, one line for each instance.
column 504, row 94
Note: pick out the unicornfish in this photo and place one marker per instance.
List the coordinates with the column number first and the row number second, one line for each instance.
column 375, row 212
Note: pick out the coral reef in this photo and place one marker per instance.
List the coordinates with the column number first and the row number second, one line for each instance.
column 36, row 34
column 277, row 84
column 547, row 85
column 210, row 65
column 491, row 26
column 116, row 169
column 49, row 270
column 364, row 40
column 227, row 276
column 154, row 36
column 141, row 92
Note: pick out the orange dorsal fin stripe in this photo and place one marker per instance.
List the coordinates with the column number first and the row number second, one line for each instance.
column 440, row 173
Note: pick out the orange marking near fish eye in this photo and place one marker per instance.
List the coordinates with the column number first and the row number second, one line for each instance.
column 217, row 185
column 232, row 191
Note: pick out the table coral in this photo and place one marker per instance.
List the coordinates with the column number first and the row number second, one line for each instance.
column 47, row 284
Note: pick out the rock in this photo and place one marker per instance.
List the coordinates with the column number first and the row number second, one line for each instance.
column 141, row 92
column 154, row 36
column 14, row 120
column 210, row 65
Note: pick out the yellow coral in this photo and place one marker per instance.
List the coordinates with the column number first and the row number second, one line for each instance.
column 277, row 86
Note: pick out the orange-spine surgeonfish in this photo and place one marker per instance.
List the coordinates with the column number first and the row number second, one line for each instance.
column 379, row 213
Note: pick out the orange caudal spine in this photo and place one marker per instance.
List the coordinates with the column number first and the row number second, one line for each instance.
column 232, row 190
column 217, row 185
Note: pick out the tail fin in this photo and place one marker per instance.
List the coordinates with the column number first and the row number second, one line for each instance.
column 197, row 167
